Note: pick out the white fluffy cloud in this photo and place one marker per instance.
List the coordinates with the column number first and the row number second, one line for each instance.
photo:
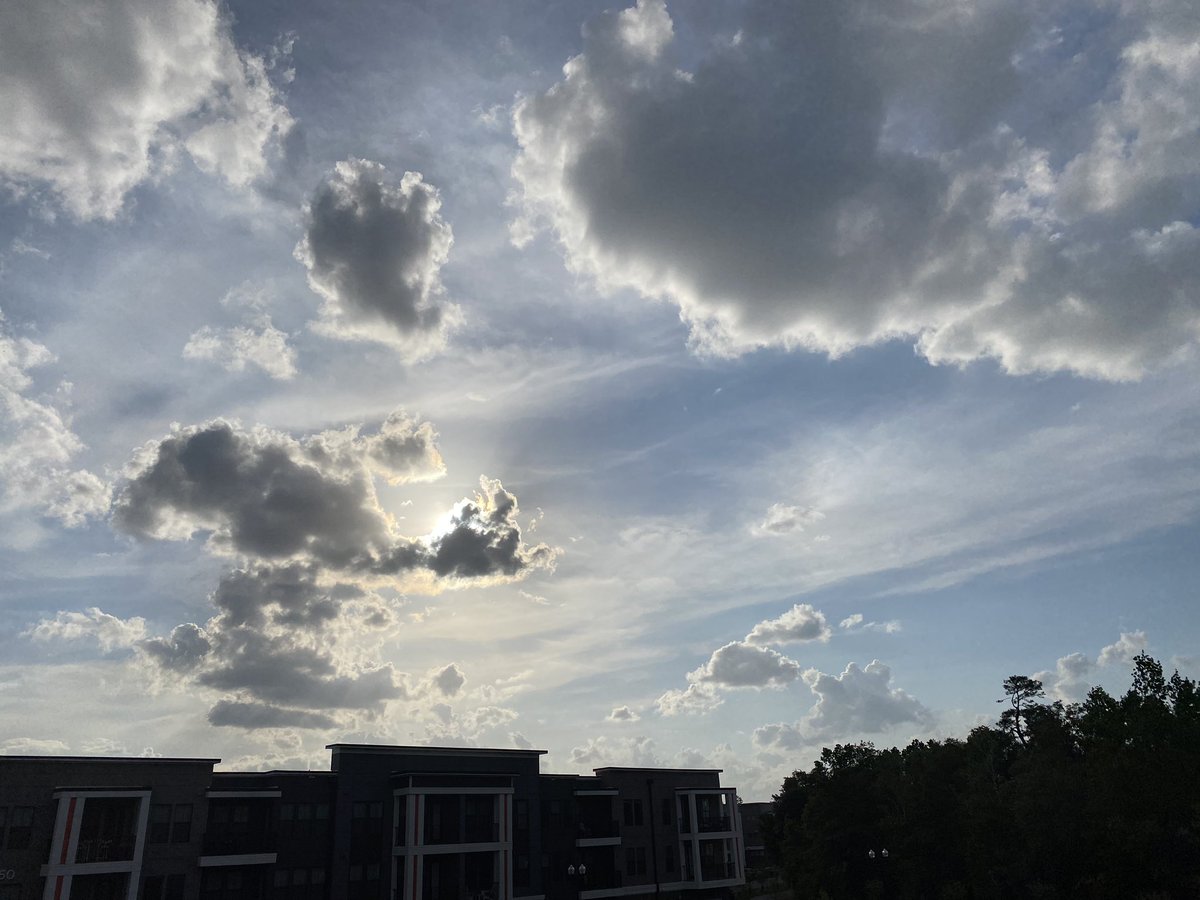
column 623, row 714
column 695, row 699
column 801, row 623
column 374, row 249
column 261, row 345
column 782, row 518
column 37, row 443
column 96, row 97
column 1129, row 645
column 740, row 664
column 857, row 702
column 831, row 176
column 109, row 631
column 1070, row 679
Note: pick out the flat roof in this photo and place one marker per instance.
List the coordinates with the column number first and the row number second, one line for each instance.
column 392, row 750
column 148, row 760
column 650, row 769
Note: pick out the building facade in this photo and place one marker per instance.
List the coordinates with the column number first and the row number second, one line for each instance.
column 383, row 823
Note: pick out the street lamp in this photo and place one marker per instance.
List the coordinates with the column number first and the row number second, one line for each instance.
column 581, row 871
column 883, row 853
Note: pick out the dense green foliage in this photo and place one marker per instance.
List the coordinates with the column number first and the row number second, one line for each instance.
column 1099, row 799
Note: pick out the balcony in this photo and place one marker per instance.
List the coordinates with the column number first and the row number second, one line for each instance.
column 717, row 871
column 599, row 828
column 714, row 823
column 238, row 844
column 92, row 850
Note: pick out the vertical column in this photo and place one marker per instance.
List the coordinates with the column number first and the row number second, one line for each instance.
column 64, row 846
column 694, row 839
column 504, row 805
column 139, row 844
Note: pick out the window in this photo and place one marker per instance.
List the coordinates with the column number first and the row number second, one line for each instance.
column 181, row 823
column 670, row 858
column 322, row 812
column 635, row 860
column 281, row 878
column 20, row 827
column 287, row 812
column 152, row 886
column 316, row 876
column 666, row 810
column 521, row 807
column 160, row 824
column 174, row 886
column 633, row 812
column 170, row 823
column 10, row 892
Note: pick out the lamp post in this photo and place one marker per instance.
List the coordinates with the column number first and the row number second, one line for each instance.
column 577, row 875
column 882, row 868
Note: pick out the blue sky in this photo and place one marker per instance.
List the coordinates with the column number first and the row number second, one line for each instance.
column 671, row 384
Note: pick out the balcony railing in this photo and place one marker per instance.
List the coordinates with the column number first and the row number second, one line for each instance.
column 717, row 871
column 715, row 823
column 595, row 828
column 92, row 850
column 238, row 844
column 481, row 831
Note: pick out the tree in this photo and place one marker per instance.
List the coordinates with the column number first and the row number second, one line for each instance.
column 1019, row 691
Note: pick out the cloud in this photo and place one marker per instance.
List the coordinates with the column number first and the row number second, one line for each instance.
column 260, row 715
column 261, row 345
column 739, row 664
column 799, row 624
column 374, row 250
column 284, row 649
column 855, row 622
column 1129, row 645
column 449, row 680
column 859, row 701
column 695, row 699
column 265, row 495
column 26, row 746
column 623, row 714
column 603, row 751
column 37, row 443
column 1070, row 679
column 98, row 97
column 782, row 519
column 519, row 741
column 831, row 177
column 110, row 632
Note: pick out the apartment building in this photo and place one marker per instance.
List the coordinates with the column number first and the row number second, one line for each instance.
column 383, row 823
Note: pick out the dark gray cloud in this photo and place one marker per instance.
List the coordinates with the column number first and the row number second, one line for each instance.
column 449, row 680
column 484, row 539
column 834, row 174
column 265, row 495
column 259, row 715
column 183, row 651
column 374, row 249
column 281, row 644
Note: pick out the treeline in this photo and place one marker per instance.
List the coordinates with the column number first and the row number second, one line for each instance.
column 1099, row 799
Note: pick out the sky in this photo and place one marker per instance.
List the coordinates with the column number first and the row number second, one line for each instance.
column 682, row 384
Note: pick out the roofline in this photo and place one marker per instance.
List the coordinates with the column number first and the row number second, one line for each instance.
column 154, row 760
column 247, row 773
column 651, row 769
column 391, row 749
